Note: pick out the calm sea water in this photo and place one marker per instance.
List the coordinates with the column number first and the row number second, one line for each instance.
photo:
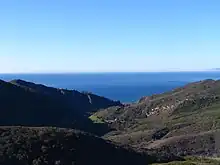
column 126, row 87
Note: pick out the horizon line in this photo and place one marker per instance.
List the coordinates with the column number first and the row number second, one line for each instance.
column 117, row 72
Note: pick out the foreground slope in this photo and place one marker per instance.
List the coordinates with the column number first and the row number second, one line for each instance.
column 56, row 146
column 25, row 103
column 185, row 121
column 62, row 146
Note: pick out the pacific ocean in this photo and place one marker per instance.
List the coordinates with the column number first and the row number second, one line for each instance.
column 126, row 87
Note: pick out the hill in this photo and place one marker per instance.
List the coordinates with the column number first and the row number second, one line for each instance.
column 159, row 128
column 83, row 102
column 29, row 104
column 185, row 121
column 60, row 146
column 27, row 108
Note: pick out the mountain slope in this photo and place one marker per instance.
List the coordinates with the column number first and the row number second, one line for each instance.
column 201, row 93
column 36, row 106
column 24, row 103
column 177, row 117
column 83, row 102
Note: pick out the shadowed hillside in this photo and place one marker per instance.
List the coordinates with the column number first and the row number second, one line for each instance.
column 82, row 102
column 61, row 146
column 24, row 103
column 56, row 146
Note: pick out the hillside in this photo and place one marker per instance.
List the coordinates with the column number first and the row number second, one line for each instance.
column 83, row 102
column 159, row 128
column 195, row 94
column 25, row 103
column 185, row 121
column 59, row 146
column 194, row 161
column 26, row 110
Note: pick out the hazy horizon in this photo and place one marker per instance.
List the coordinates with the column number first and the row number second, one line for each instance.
column 119, row 72
column 109, row 36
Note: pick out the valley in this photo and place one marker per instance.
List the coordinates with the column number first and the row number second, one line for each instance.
column 38, row 122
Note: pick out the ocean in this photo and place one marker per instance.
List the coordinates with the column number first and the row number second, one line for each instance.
column 126, row 87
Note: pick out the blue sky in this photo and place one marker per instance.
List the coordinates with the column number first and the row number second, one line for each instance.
column 109, row 36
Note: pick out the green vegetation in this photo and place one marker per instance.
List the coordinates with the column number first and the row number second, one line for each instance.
column 96, row 119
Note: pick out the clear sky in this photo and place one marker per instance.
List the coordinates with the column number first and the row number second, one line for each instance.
column 109, row 35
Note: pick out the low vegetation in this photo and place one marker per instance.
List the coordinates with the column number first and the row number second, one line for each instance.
column 160, row 128
column 194, row 161
column 96, row 119
column 185, row 121
column 60, row 146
